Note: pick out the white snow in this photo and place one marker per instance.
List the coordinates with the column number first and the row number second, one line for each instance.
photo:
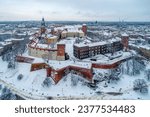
column 13, row 39
column 98, row 43
column 124, row 35
column 61, row 64
column 5, row 43
column 31, row 84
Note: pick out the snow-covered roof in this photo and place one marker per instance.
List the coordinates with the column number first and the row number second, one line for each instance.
column 22, row 34
column 14, row 39
column 45, row 46
column 8, row 40
column 72, row 30
column 31, row 37
column 51, row 36
column 61, row 64
column 6, row 32
column 43, row 35
column 69, row 27
column 122, row 55
column 146, row 46
column 5, row 43
column 1, row 47
column 124, row 35
column 147, row 37
column 38, row 60
column 83, row 44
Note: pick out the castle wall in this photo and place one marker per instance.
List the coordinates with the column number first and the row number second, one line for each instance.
column 42, row 53
column 56, row 54
column 24, row 59
column 38, row 66
column 86, row 73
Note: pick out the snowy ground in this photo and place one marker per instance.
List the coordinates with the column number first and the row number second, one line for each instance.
column 31, row 85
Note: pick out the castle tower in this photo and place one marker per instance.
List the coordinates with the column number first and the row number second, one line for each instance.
column 43, row 29
column 84, row 29
column 60, row 51
column 125, row 41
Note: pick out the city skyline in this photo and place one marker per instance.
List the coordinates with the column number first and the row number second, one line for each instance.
column 79, row 10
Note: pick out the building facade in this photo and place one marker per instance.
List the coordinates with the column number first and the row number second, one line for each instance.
column 72, row 33
column 82, row 51
column 51, row 54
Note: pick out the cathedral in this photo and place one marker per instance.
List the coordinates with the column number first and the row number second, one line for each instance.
column 44, row 45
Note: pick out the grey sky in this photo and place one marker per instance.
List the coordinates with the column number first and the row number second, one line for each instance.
column 85, row 10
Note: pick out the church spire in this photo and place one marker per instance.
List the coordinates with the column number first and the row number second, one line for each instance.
column 43, row 23
column 43, row 28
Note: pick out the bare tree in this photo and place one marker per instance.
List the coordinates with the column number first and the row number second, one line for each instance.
column 147, row 73
column 99, row 77
column 11, row 64
column 20, row 76
column 74, row 80
column 140, row 85
column 134, row 66
column 113, row 76
column 0, row 87
column 47, row 82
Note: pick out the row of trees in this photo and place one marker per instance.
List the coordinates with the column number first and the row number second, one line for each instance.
column 112, row 76
column 133, row 67
column 10, row 54
column 147, row 74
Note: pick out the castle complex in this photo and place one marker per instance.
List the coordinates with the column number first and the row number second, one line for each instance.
column 47, row 44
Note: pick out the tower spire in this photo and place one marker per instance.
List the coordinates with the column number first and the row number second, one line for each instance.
column 43, row 28
column 43, row 22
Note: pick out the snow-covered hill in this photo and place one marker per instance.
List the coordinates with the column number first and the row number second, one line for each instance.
column 31, row 85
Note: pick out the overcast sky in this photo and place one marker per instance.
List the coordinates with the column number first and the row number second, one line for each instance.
column 75, row 10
